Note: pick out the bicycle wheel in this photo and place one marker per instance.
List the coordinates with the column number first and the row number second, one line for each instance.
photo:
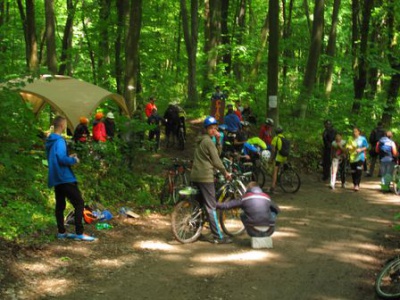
column 230, row 220
column 289, row 181
column 396, row 180
column 187, row 221
column 387, row 283
column 166, row 196
column 259, row 176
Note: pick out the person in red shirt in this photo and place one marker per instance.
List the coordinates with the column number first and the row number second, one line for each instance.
column 99, row 129
column 266, row 132
column 150, row 106
column 238, row 110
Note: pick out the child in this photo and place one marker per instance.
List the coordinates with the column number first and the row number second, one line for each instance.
column 338, row 155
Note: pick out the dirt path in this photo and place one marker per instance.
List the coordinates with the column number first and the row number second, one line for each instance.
column 329, row 245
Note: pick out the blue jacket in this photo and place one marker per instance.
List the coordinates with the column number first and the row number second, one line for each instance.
column 59, row 162
column 232, row 121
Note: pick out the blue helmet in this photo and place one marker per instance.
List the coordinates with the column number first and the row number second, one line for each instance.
column 222, row 127
column 209, row 121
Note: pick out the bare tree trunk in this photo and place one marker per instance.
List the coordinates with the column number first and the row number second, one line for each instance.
column 331, row 48
column 240, row 20
column 132, row 54
column 212, row 41
column 273, row 60
column 51, row 37
column 190, row 33
column 225, row 37
column 360, row 50
column 103, row 63
column 307, row 13
column 313, row 59
column 394, row 85
column 65, row 59
column 258, row 57
column 122, row 13
column 287, row 33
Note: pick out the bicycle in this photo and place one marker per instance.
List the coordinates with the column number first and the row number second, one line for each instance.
column 288, row 179
column 396, row 179
column 177, row 178
column 387, row 284
column 188, row 216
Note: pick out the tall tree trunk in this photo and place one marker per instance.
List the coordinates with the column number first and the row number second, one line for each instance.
column 258, row 57
column 225, row 37
column 122, row 13
column 307, row 13
column 240, row 29
column 212, row 41
column 190, row 34
column 360, row 48
column 90, row 48
column 33, row 61
column 103, row 62
column 287, row 33
column 313, row 59
column 132, row 54
column 394, row 85
column 331, row 48
column 273, row 60
column 29, row 27
column 66, row 45
column 51, row 37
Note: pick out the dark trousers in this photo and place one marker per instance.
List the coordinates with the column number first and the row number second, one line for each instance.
column 356, row 171
column 207, row 198
column 155, row 134
column 70, row 191
column 252, row 231
column 326, row 163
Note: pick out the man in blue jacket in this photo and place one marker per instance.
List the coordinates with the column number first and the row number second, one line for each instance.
column 64, row 181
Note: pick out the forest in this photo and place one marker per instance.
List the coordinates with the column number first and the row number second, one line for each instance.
column 299, row 62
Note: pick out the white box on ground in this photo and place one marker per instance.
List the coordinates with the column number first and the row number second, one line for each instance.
column 261, row 242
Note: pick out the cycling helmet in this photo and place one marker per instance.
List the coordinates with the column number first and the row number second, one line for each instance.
column 279, row 130
column 222, row 127
column 83, row 120
column 245, row 123
column 269, row 121
column 265, row 155
column 88, row 216
column 99, row 115
column 209, row 121
column 110, row 115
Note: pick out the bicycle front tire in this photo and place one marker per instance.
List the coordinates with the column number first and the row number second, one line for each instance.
column 289, row 181
column 387, row 283
column 187, row 221
column 230, row 220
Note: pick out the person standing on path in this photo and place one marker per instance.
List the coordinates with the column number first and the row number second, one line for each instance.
column 206, row 159
column 328, row 136
column 374, row 138
column 64, row 181
column 387, row 151
column 338, row 160
column 109, row 124
column 278, row 157
column 357, row 148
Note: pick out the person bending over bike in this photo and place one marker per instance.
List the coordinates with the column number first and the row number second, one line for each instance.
column 206, row 159
column 259, row 211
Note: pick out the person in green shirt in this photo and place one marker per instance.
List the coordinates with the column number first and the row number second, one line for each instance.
column 206, row 160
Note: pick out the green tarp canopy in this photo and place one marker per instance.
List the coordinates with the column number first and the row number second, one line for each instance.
column 70, row 97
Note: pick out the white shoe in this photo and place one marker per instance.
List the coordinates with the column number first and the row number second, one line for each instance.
column 332, row 186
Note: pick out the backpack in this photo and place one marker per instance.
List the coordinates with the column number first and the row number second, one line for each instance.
column 285, row 147
column 385, row 149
